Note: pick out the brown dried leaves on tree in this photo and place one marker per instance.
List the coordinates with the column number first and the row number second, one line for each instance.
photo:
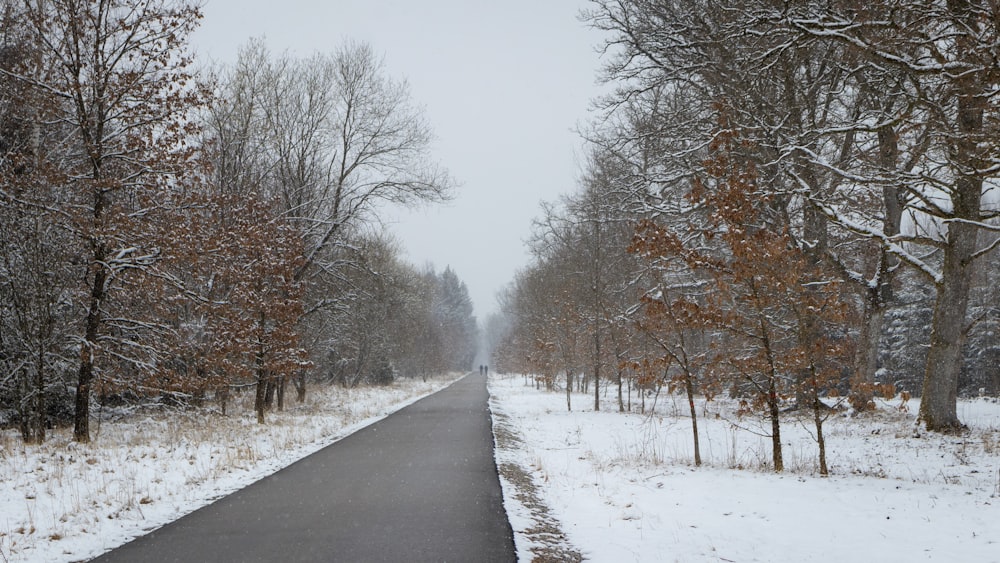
column 776, row 318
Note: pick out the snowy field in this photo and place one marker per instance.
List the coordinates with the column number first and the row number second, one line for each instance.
column 64, row 501
column 624, row 487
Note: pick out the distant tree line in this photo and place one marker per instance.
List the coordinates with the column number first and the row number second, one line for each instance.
column 784, row 202
column 169, row 236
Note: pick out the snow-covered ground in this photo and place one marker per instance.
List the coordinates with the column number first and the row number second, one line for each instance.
column 64, row 501
column 624, row 487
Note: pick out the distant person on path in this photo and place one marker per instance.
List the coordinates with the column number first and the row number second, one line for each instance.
column 481, row 372
column 486, row 370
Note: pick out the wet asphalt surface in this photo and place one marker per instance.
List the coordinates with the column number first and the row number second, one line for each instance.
column 421, row 485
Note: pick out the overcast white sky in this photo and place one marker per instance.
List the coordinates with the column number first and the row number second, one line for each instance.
column 503, row 83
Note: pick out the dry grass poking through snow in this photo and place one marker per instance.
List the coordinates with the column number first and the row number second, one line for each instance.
column 622, row 487
column 541, row 537
column 67, row 501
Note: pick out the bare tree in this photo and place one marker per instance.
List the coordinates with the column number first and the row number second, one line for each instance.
column 330, row 135
column 950, row 89
column 333, row 138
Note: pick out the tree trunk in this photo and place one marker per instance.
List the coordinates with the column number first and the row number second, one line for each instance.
column 938, row 402
column 89, row 348
column 597, row 371
column 269, row 390
column 300, row 386
column 569, row 390
column 222, row 394
column 263, row 378
column 282, row 383
column 944, row 359
column 24, row 408
column 259, row 404
column 820, row 440
column 629, row 405
column 37, row 423
column 31, row 403
column 774, row 412
column 773, row 401
column 689, row 388
column 619, row 378
column 879, row 294
column 866, row 361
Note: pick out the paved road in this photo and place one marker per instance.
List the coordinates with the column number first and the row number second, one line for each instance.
column 420, row 485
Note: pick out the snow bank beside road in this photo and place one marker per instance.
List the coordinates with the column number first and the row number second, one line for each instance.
column 624, row 488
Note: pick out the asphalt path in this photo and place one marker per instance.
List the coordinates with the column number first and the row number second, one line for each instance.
column 420, row 485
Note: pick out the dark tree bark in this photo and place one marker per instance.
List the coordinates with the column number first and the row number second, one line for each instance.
column 878, row 295
column 689, row 390
column 938, row 401
column 569, row 390
column 817, row 408
column 89, row 348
